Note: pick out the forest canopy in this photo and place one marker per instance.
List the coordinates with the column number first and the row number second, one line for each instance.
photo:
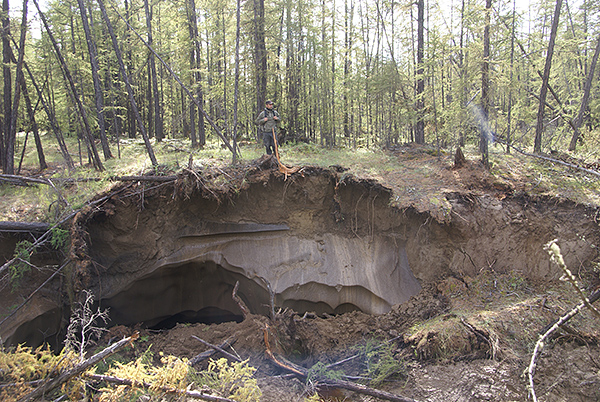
column 350, row 73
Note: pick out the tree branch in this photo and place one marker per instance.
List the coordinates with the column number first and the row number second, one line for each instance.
column 218, row 348
column 351, row 386
column 78, row 369
column 130, row 383
column 540, row 343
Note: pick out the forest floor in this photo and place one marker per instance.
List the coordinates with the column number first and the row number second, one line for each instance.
column 465, row 339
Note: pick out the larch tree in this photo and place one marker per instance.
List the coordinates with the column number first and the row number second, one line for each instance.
column 539, row 128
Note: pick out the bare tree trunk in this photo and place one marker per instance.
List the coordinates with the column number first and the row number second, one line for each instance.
column 31, row 114
column 193, row 30
column 6, row 149
column 260, row 53
column 485, row 86
column 510, row 93
column 348, row 16
column 127, row 83
column 586, row 97
column 81, row 110
column 131, row 120
column 10, row 150
column 197, row 75
column 539, row 128
column 158, row 122
column 96, row 79
column 420, row 127
column 237, row 79
column 52, row 119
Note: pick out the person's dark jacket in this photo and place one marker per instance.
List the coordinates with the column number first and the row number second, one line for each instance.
column 270, row 124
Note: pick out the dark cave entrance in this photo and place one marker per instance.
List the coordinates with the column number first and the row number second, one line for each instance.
column 195, row 292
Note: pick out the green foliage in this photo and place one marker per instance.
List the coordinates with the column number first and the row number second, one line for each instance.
column 233, row 379
column 381, row 363
column 320, row 370
column 23, row 364
column 59, row 238
column 22, row 265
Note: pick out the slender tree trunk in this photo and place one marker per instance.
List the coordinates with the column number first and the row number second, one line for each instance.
column 131, row 120
column 586, row 97
column 237, row 78
column 81, row 110
column 292, row 74
column 6, row 148
column 539, row 128
column 510, row 93
column 348, row 15
column 127, row 83
column 31, row 115
column 15, row 106
column 260, row 53
column 193, row 30
column 96, row 79
column 158, row 121
column 52, row 119
column 485, row 87
column 420, row 127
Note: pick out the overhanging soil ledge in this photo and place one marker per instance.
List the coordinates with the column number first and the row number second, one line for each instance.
column 343, row 264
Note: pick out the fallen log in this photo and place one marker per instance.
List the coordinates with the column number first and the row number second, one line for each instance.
column 78, row 369
column 26, row 227
column 26, row 180
column 302, row 372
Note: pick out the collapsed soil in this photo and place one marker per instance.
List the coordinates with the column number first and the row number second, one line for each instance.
column 462, row 338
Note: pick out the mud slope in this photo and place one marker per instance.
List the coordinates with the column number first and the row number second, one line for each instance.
column 321, row 241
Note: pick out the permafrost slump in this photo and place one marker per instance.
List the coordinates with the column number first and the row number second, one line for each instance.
column 323, row 243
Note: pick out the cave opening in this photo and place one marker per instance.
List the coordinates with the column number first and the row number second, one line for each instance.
column 194, row 292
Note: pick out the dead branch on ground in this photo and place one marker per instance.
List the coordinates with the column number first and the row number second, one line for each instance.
column 130, row 383
column 553, row 160
column 78, row 369
column 218, row 349
column 208, row 353
column 351, row 386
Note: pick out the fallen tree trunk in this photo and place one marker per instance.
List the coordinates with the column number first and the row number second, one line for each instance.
column 25, row 180
column 7, row 226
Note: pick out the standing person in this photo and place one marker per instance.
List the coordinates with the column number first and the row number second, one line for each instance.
column 268, row 121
